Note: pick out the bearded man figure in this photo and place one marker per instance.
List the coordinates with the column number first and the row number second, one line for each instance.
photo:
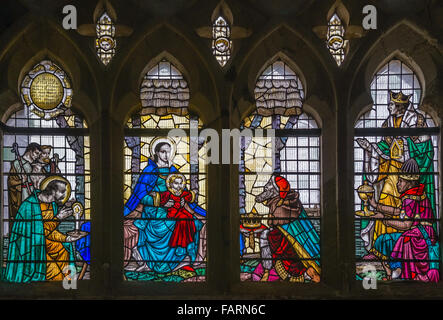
column 37, row 250
column 291, row 244
column 20, row 186
column 40, row 167
column 383, row 161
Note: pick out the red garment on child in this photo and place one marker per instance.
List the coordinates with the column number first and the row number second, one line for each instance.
column 184, row 230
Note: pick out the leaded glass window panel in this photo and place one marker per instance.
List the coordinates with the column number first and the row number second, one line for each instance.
column 164, row 91
column 335, row 41
column 280, row 204
column 105, row 42
column 279, row 91
column 165, row 187
column 221, row 40
column 46, row 186
column 46, row 90
column 396, row 181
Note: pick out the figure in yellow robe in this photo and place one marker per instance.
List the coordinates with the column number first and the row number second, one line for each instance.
column 37, row 250
column 383, row 161
column 57, row 256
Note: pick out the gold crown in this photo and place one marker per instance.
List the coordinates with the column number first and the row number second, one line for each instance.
column 410, row 177
column 251, row 221
column 399, row 97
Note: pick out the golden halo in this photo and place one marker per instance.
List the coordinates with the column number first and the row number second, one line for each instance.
column 158, row 140
column 77, row 207
column 173, row 176
column 335, row 39
column 225, row 42
column 47, row 180
column 108, row 40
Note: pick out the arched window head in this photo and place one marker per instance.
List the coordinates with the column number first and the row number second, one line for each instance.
column 164, row 90
column 393, row 78
column 46, row 90
column 221, row 40
column 279, row 91
column 105, row 43
column 335, row 41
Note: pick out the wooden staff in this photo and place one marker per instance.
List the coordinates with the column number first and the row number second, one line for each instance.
column 19, row 158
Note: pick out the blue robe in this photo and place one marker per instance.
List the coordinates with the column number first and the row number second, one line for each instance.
column 304, row 232
column 83, row 245
column 154, row 229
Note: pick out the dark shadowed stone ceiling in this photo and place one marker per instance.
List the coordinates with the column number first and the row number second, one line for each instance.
column 162, row 7
column 282, row 7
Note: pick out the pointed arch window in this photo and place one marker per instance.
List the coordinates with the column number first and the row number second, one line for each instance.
column 105, row 42
column 221, row 40
column 397, row 174
column 279, row 184
column 335, row 39
column 165, row 188
column 46, row 187
column 222, row 32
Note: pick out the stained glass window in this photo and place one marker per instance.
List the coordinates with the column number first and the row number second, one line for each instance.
column 164, row 91
column 46, row 183
column 396, row 182
column 279, row 91
column 46, row 90
column 164, row 185
column 105, row 42
column 279, row 183
column 335, row 40
column 221, row 40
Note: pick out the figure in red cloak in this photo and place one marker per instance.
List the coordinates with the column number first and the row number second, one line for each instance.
column 184, row 230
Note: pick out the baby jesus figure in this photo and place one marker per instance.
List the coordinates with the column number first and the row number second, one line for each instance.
column 184, row 230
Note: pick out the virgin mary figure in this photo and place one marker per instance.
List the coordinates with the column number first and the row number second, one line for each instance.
column 152, row 229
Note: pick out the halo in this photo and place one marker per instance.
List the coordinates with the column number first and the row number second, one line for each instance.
column 77, row 207
column 47, row 180
column 158, row 140
column 335, row 39
column 224, row 41
column 171, row 177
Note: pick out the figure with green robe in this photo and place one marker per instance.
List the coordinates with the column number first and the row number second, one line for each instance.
column 384, row 159
column 37, row 250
